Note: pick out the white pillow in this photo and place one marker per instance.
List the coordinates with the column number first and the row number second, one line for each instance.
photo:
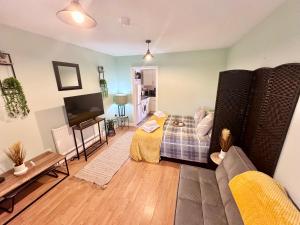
column 210, row 133
column 205, row 125
column 199, row 115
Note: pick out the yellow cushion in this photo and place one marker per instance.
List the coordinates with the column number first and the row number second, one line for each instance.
column 261, row 201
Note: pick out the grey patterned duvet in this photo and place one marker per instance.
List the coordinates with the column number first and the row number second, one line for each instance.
column 183, row 142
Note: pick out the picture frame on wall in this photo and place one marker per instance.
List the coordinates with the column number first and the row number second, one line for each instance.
column 5, row 59
column 6, row 66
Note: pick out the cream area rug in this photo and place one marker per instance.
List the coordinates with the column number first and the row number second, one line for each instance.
column 104, row 166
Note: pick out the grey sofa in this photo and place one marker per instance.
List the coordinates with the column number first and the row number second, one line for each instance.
column 204, row 196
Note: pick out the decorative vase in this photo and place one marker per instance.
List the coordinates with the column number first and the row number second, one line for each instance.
column 222, row 154
column 20, row 170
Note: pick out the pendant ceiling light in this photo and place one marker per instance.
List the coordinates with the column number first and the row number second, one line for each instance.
column 148, row 56
column 75, row 15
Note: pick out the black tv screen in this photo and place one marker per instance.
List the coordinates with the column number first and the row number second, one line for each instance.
column 83, row 107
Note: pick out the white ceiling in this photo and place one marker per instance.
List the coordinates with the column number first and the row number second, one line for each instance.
column 173, row 25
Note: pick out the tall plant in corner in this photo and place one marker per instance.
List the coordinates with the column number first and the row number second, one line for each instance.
column 14, row 98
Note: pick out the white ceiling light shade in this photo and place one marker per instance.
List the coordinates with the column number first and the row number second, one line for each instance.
column 75, row 15
column 148, row 56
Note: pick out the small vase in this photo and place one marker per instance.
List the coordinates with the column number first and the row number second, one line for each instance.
column 20, row 170
column 222, row 154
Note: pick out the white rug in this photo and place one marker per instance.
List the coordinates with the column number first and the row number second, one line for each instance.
column 102, row 168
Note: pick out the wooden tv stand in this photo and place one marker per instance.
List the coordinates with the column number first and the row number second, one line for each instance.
column 89, row 150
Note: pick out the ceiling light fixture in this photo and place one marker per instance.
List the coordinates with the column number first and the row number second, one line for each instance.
column 124, row 21
column 75, row 15
column 148, row 56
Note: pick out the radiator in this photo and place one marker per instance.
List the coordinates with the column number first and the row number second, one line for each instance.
column 64, row 141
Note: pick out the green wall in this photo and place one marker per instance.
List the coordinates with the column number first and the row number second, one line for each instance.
column 273, row 42
column 32, row 56
column 186, row 80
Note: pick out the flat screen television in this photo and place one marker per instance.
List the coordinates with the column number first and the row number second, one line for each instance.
column 83, row 107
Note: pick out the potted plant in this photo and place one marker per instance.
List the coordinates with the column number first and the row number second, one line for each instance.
column 14, row 98
column 103, row 83
column 225, row 142
column 110, row 128
column 17, row 155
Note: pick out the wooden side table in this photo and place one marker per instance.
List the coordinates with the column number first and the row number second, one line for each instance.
column 215, row 158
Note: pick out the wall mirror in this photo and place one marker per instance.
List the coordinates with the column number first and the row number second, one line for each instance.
column 67, row 75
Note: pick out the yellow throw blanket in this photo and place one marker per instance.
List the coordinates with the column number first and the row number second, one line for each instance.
column 146, row 146
column 262, row 201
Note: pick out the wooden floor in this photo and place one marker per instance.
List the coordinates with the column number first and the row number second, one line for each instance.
column 140, row 193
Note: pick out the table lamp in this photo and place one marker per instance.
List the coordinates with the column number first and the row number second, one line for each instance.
column 121, row 100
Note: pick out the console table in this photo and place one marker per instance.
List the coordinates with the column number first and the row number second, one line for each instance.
column 11, row 201
column 82, row 126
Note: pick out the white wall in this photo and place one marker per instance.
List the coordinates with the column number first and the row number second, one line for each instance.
column 32, row 56
column 276, row 41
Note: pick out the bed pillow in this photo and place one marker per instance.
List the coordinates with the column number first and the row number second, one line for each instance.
column 262, row 201
column 199, row 115
column 205, row 125
column 210, row 133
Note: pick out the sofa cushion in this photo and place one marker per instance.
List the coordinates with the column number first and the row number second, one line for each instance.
column 204, row 196
column 198, row 198
column 235, row 162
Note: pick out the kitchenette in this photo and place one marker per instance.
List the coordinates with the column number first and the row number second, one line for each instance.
column 144, row 93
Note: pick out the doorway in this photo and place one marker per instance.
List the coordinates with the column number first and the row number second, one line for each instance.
column 144, row 82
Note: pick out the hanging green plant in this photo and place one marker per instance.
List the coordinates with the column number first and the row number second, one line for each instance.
column 103, row 86
column 103, row 83
column 14, row 98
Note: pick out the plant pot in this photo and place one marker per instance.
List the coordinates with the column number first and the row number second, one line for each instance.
column 111, row 128
column 20, row 170
column 222, row 154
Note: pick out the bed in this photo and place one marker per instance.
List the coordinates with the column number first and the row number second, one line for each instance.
column 170, row 142
column 183, row 143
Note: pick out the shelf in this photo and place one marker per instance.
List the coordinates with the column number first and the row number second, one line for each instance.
column 6, row 64
column 93, row 147
column 30, row 194
column 87, row 124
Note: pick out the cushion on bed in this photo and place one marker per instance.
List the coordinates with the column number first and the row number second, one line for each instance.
column 262, row 201
column 205, row 125
column 199, row 114
column 209, row 133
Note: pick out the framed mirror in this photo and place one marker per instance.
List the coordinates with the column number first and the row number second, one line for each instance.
column 67, row 76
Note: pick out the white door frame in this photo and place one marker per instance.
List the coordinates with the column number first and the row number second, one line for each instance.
column 132, row 77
